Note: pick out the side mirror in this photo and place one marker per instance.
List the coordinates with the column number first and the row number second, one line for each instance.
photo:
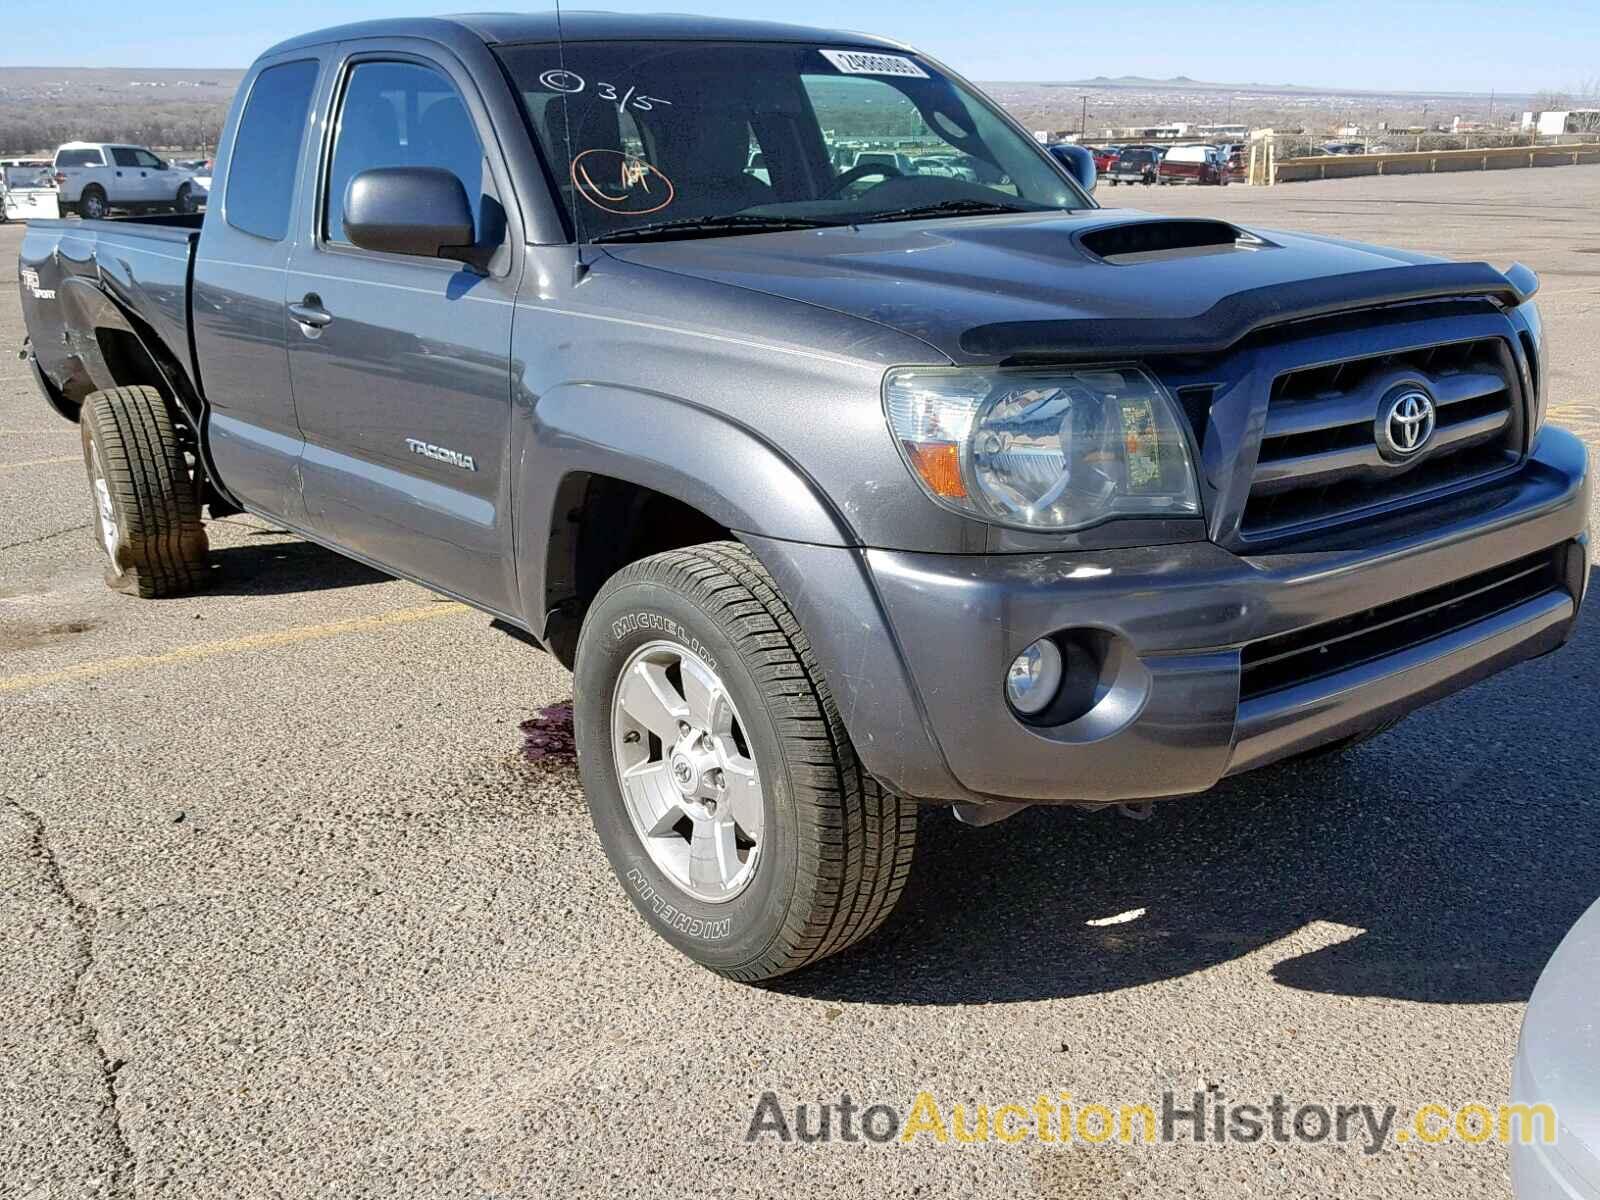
column 421, row 211
column 1079, row 163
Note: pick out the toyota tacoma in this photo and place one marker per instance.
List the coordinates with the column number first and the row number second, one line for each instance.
column 840, row 489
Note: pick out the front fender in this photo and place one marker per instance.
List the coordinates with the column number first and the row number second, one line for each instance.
column 674, row 446
column 701, row 458
column 749, row 486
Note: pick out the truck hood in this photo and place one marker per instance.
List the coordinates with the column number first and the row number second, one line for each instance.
column 989, row 288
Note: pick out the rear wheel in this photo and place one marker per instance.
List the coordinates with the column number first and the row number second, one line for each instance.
column 144, row 506
column 721, row 780
column 92, row 204
column 186, row 203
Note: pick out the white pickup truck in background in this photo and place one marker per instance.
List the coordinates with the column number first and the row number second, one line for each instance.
column 92, row 178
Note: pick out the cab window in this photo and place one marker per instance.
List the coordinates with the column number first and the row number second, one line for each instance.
column 266, row 150
column 399, row 114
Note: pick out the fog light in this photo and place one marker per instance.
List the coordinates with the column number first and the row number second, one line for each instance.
column 1034, row 677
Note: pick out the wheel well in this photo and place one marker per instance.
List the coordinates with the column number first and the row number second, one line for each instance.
column 131, row 363
column 601, row 524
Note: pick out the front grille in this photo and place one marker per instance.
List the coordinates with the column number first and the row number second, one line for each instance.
column 1320, row 463
column 1317, row 651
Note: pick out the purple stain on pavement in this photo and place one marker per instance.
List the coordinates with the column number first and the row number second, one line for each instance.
column 547, row 737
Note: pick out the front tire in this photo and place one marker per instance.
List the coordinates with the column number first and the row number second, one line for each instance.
column 720, row 778
column 144, row 506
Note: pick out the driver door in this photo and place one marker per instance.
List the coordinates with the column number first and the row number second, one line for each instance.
column 401, row 365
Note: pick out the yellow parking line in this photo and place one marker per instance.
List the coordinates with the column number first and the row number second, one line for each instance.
column 41, row 462
column 257, row 641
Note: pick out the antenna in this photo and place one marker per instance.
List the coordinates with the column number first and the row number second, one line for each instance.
column 580, row 268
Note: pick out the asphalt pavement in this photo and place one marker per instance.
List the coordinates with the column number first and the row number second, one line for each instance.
column 284, row 911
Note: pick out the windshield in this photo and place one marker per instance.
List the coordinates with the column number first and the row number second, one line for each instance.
column 696, row 138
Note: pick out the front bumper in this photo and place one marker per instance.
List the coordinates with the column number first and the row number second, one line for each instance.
column 1169, row 720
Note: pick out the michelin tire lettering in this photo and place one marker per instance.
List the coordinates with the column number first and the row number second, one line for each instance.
column 660, row 623
column 674, row 917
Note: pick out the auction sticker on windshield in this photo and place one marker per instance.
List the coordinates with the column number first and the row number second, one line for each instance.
column 857, row 62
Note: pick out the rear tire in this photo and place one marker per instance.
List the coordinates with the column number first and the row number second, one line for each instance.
column 144, row 505
column 92, row 204
column 818, row 858
column 186, row 202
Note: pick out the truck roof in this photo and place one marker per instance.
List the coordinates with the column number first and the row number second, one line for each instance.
column 581, row 26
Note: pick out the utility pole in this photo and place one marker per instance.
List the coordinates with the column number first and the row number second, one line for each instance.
column 1083, row 122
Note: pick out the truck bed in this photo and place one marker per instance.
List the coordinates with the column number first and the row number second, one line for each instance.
column 94, row 292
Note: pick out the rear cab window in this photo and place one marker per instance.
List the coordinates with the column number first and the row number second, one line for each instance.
column 266, row 149
column 79, row 158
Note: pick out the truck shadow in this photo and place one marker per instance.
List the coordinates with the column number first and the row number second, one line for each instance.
column 272, row 566
column 1441, row 862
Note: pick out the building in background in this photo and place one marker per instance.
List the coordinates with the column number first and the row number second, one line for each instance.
column 1557, row 122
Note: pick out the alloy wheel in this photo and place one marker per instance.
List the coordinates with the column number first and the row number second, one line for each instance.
column 689, row 780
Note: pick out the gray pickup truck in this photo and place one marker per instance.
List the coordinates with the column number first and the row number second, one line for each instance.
column 839, row 488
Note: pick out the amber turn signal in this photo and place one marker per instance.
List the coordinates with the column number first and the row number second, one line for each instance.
column 939, row 464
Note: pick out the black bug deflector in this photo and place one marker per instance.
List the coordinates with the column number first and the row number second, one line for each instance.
column 1246, row 312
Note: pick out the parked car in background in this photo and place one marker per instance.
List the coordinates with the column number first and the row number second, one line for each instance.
column 92, row 178
column 838, row 495
column 27, row 193
column 1192, row 164
column 25, row 172
column 1558, row 1065
column 895, row 162
column 943, row 166
column 1344, row 148
column 1104, row 156
column 1136, row 164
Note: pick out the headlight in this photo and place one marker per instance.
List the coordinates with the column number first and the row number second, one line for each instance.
column 1040, row 448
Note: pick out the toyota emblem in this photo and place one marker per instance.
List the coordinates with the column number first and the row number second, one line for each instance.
column 1406, row 423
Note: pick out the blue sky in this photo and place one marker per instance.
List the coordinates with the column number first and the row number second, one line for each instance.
column 1399, row 45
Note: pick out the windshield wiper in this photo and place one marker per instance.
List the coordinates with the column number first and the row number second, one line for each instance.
column 730, row 224
column 946, row 208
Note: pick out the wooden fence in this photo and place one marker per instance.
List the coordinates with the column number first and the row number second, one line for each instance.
column 1266, row 168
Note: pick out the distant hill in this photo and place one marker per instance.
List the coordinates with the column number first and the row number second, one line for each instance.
column 25, row 82
column 1184, row 82
column 41, row 107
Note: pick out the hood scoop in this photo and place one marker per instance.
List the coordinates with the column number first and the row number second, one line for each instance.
column 1156, row 241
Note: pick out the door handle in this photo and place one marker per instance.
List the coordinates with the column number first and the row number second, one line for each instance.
column 310, row 315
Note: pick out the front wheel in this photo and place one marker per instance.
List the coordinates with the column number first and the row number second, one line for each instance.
column 721, row 780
